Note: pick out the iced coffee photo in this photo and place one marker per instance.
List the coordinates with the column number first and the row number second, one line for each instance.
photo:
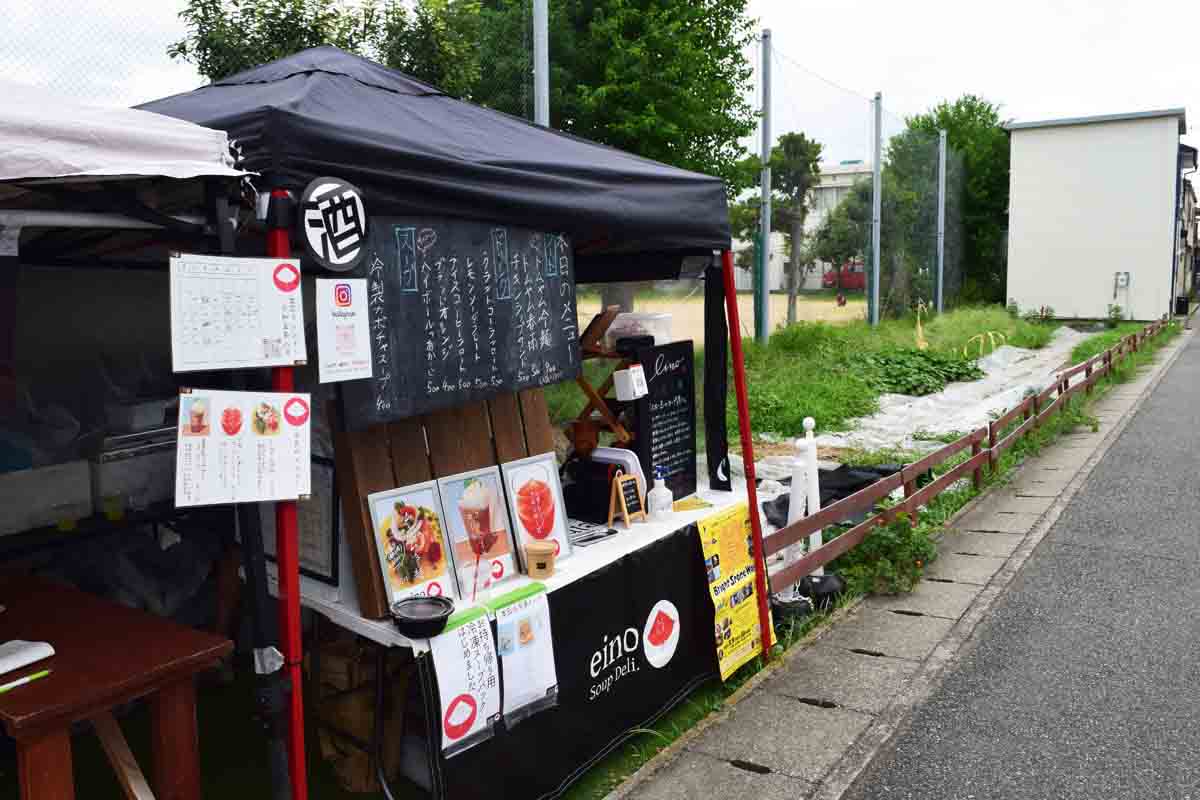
column 479, row 531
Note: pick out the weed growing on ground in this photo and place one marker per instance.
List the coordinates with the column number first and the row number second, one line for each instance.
column 1097, row 344
column 915, row 372
column 889, row 561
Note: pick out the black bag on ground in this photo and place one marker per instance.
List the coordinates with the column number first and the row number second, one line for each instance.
column 821, row 589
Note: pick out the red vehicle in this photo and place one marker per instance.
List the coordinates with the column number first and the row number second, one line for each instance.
column 853, row 277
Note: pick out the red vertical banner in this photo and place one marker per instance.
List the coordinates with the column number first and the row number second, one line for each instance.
column 743, row 405
column 287, row 556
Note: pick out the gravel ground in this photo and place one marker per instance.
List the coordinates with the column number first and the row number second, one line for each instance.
column 1084, row 681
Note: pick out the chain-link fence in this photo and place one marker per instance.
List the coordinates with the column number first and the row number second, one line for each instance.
column 106, row 54
column 822, row 229
column 910, row 230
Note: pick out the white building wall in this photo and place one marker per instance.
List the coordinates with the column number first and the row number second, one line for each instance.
column 776, row 269
column 1088, row 201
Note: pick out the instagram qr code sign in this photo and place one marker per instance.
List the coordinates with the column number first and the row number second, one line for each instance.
column 343, row 337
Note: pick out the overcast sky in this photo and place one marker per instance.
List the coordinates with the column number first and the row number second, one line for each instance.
column 1037, row 58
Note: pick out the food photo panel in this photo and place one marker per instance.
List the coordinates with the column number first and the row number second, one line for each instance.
column 536, row 502
column 480, row 534
column 410, row 535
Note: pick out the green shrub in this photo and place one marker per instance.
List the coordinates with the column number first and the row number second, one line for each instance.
column 915, row 372
column 890, row 560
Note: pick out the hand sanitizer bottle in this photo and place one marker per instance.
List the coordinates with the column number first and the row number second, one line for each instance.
column 659, row 500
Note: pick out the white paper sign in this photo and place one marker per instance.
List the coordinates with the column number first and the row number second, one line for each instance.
column 526, row 650
column 468, row 680
column 343, row 332
column 242, row 447
column 233, row 313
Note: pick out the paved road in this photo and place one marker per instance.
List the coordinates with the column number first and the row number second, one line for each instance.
column 1084, row 682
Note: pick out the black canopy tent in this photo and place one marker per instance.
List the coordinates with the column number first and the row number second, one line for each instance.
column 414, row 150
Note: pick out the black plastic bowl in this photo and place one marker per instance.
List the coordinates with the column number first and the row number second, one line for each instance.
column 422, row 617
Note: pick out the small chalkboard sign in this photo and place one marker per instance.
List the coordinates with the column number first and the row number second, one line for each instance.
column 627, row 499
column 666, row 416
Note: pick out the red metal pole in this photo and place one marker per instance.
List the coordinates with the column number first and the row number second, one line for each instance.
column 743, row 404
column 287, row 556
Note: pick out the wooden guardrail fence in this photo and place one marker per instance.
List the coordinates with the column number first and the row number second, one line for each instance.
column 1032, row 411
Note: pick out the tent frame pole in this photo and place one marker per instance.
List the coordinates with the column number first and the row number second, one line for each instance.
column 743, row 404
column 287, row 549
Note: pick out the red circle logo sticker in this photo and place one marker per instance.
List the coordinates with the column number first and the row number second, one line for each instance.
column 660, row 636
column 460, row 716
column 287, row 277
column 497, row 569
column 434, row 590
column 557, row 548
column 295, row 411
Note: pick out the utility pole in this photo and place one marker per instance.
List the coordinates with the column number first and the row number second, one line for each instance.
column 541, row 62
column 941, row 232
column 762, row 296
column 876, row 210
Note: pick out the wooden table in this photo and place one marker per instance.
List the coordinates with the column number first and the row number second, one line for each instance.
column 105, row 655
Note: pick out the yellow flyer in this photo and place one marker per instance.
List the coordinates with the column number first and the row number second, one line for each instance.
column 726, row 539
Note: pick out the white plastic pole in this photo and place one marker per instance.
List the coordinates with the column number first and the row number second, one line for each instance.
column 814, row 487
column 876, row 207
column 941, row 220
column 805, row 497
column 763, row 328
column 798, row 498
column 541, row 62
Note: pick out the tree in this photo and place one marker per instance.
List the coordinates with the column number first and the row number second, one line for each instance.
column 224, row 38
column 743, row 224
column 665, row 79
column 845, row 232
column 795, row 170
column 973, row 127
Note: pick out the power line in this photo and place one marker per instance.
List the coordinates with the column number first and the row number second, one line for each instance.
column 870, row 99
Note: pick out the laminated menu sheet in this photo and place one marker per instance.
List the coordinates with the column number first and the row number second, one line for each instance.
column 242, row 447
column 468, row 679
column 526, row 649
column 234, row 313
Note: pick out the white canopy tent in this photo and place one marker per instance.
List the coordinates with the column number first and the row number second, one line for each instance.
column 43, row 137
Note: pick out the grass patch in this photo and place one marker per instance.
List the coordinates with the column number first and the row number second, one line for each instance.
column 1097, row 344
column 835, row 373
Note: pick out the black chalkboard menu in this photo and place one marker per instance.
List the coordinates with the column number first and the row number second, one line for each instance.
column 630, row 491
column 460, row 311
column 666, row 416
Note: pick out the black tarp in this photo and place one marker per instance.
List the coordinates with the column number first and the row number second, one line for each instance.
column 414, row 150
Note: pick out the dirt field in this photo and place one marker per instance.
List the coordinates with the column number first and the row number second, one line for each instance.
column 687, row 314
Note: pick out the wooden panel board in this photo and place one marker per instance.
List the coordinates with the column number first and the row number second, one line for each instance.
column 507, row 433
column 410, row 459
column 539, row 435
column 364, row 465
column 459, row 439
